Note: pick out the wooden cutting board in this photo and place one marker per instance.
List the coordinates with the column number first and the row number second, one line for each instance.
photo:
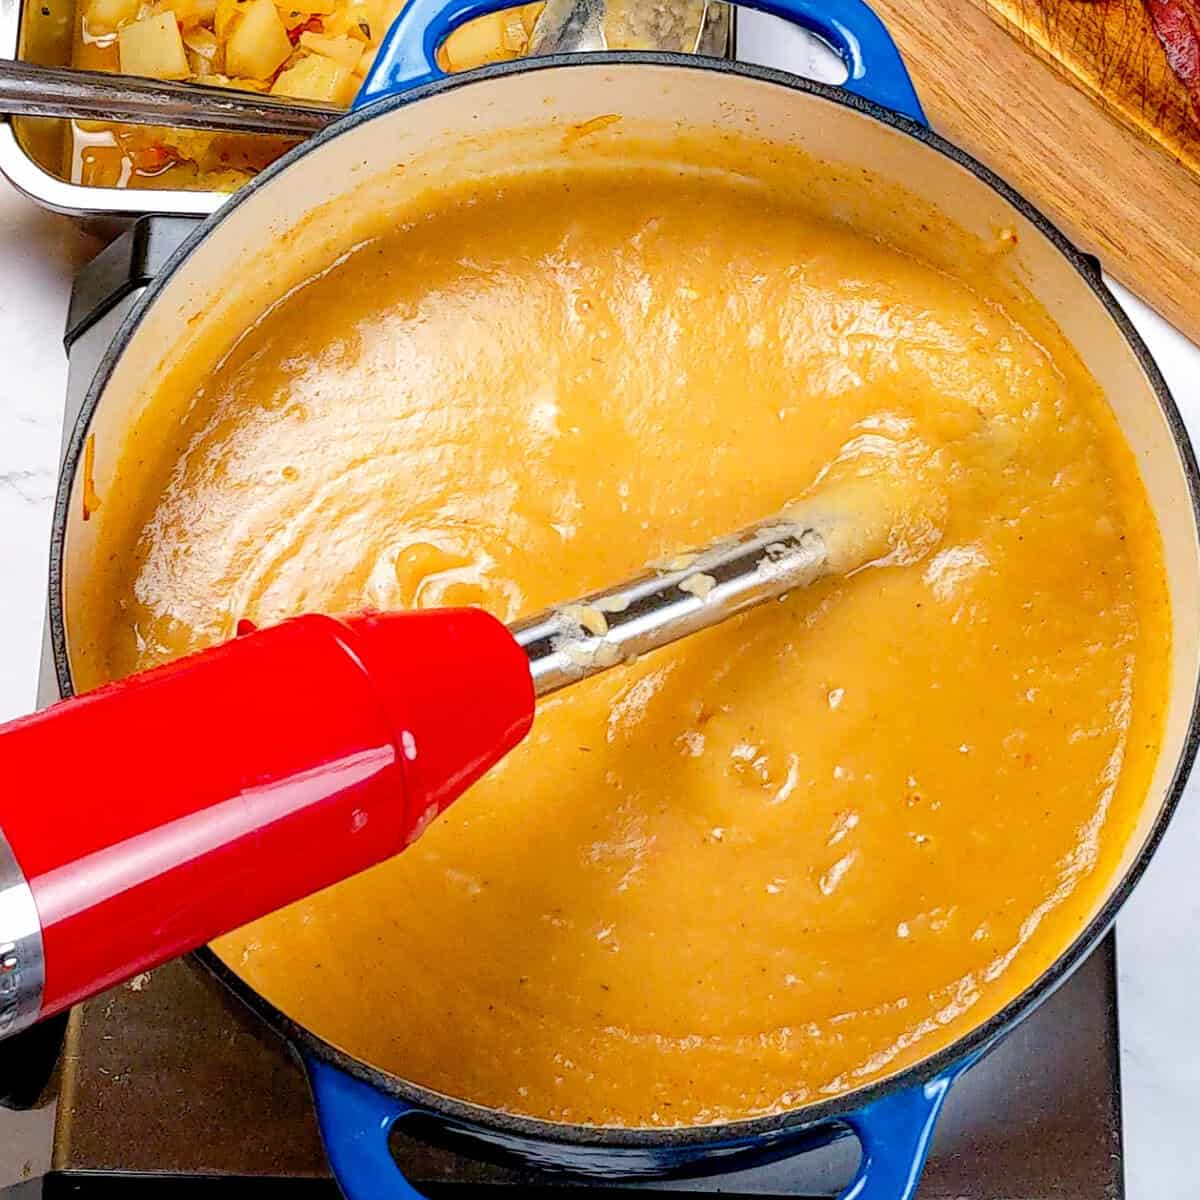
column 1120, row 174
column 1110, row 49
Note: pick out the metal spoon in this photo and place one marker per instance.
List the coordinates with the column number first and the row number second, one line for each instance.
column 29, row 90
column 578, row 25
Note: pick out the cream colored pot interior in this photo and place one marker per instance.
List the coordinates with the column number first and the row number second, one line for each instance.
column 477, row 127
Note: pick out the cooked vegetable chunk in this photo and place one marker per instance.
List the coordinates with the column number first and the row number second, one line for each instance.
column 153, row 47
column 319, row 50
column 317, row 78
column 259, row 43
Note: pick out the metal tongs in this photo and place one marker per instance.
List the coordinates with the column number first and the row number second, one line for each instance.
column 29, row 90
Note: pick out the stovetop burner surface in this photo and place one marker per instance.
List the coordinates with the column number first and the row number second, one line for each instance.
column 168, row 1076
column 166, row 1083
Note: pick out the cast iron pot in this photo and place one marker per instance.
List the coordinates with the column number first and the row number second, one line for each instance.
column 874, row 121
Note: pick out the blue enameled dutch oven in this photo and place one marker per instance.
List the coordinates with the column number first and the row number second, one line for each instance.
column 408, row 108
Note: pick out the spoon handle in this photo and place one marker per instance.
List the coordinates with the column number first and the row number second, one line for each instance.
column 29, row 90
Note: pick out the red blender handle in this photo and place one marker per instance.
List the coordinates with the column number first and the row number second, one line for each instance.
column 143, row 819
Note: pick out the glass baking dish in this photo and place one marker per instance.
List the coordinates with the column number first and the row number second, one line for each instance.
column 34, row 152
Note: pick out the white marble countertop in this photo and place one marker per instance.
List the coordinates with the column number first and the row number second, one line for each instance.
column 1159, row 953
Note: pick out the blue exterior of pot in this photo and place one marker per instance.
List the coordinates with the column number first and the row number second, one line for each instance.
column 894, row 1130
column 357, row 1105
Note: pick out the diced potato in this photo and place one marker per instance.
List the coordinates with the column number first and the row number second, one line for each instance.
column 361, row 20
column 513, row 37
column 375, row 12
column 228, row 14
column 106, row 16
column 243, row 85
column 530, row 14
column 342, row 50
column 206, row 55
column 153, row 47
column 190, row 13
column 203, row 41
column 316, row 77
column 338, row 24
column 366, row 62
column 259, row 44
column 310, row 8
column 475, row 43
column 295, row 18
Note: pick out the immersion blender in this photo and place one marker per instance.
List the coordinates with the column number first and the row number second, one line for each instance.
column 143, row 819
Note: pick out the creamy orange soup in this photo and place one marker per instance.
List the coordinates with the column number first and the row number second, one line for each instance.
column 788, row 857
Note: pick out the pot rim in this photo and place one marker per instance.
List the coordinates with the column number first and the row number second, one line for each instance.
column 976, row 1041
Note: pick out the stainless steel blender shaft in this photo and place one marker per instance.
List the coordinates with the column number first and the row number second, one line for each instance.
column 831, row 534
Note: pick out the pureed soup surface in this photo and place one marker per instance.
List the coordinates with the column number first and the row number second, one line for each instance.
column 757, row 869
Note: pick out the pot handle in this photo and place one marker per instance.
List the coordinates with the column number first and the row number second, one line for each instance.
column 356, row 1121
column 407, row 57
column 894, row 1133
